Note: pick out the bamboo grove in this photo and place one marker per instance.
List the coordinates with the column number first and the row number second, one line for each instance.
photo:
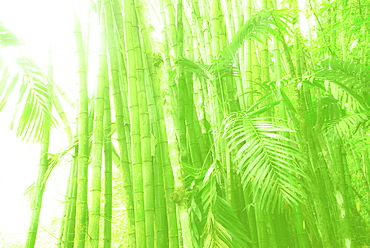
column 230, row 125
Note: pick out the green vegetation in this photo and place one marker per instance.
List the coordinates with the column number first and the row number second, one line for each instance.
column 211, row 124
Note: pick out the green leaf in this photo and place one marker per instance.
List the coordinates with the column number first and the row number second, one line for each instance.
column 345, row 81
column 8, row 81
column 345, row 126
column 266, row 160
column 33, row 120
column 263, row 24
column 222, row 227
column 8, row 38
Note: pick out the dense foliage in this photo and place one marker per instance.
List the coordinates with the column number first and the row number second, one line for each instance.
column 232, row 124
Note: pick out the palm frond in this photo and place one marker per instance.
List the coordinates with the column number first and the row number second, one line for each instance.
column 214, row 72
column 346, row 81
column 8, row 81
column 261, row 25
column 34, row 118
column 8, row 38
column 222, row 227
column 198, row 69
column 215, row 234
column 345, row 126
column 331, row 108
column 266, row 159
column 255, row 110
column 222, row 68
column 353, row 74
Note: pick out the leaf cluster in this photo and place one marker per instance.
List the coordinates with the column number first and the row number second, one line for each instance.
column 219, row 226
column 32, row 117
column 266, row 159
column 273, row 22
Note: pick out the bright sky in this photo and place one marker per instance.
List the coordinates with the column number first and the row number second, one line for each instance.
column 37, row 23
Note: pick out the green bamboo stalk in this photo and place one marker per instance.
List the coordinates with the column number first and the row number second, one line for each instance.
column 42, row 168
column 178, row 196
column 254, row 228
column 300, row 229
column 97, row 148
column 169, row 20
column 265, row 70
column 226, row 6
column 120, row 124
column 132, row 57
column 155, row 110
column 197, row 147
column 247, row 66
column 181, row 86
column 263, row 238
column 66, row 230
column 168, row 180
column 197, row 31
column 319, row 192
column 83, row 139
column 168, row 177
column 206, row 30
column 38, row 195
column 70, row 204
column 145, row 134
column 108, row 161
column 215, row 27
column 341, row 194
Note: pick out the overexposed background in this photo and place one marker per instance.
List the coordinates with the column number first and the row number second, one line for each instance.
column 39, row 24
